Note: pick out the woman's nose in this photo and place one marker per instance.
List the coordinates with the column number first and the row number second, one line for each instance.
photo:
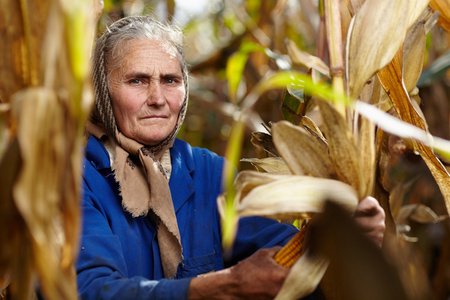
column 155, row 94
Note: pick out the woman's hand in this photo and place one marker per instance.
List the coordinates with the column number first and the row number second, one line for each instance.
column 370, row 217
column 257, row 277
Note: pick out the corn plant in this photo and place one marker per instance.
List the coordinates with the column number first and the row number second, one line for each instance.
column 46, row 98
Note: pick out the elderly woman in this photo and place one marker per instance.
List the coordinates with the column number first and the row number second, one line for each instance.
column 150, row 221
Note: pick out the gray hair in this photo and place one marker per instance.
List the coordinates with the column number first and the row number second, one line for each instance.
column 108, row 56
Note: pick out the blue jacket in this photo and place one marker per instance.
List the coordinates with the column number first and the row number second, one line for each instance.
column 119, row 255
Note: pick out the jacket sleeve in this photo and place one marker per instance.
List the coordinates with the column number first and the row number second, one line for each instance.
column 255, row 233
column 102, row 269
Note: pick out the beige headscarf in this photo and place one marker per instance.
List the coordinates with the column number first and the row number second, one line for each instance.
column 143, row 183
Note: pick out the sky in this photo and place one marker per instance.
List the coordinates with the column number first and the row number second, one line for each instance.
column 187, row 9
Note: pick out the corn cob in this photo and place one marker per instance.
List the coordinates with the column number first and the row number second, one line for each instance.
column 292, row 251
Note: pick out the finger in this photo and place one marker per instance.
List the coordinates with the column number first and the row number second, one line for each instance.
column 271, row 251
column 369, row 206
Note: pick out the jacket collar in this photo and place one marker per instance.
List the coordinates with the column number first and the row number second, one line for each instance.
column 96, row 154
column 183, row 167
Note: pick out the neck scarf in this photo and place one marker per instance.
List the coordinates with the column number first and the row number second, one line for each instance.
column 145, row 191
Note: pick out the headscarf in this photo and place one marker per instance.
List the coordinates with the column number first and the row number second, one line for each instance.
column 143, row 184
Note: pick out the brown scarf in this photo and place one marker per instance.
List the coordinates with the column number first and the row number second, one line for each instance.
column 145, row 190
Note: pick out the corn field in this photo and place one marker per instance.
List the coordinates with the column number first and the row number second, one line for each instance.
column 317, row 103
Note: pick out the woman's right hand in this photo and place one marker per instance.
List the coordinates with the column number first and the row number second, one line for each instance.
column 257, row 277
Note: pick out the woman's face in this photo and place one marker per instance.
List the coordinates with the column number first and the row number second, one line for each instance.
column 147, row 91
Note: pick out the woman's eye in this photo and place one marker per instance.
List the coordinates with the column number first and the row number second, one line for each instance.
column 135, row 81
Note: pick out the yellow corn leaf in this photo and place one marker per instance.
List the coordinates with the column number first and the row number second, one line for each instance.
column 305, row 59
column 391, row 79
column 443, row 6
column 302, row 152
column 304, row 277
column 296, row 196
column 375, row 35
column 342, row 147
column 269, row 164
column 413, row 55
column 79, row 20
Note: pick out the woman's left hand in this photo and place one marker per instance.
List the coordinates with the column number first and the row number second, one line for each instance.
column 370, row 217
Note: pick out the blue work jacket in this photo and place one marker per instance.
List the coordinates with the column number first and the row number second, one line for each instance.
column 119, row 255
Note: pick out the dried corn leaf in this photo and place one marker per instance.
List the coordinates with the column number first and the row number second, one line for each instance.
column 343, row 150
column 296, row 196
column 413, row 55
column 415, row 9
column 305, row 59
column 397, row 196
column 41, row 187
column 263, row 141
column 21, row 33
column 10, row 219
column 391, row 80
column 304, row 277
column 312, row 128
column 248, row 180
column 354, row 6
column 419, row 213
column 366, row 143
column 443, row 6
column 302, row 152
column 269, row 164
column 376, row 33
column 365, row 135
column 334, row 36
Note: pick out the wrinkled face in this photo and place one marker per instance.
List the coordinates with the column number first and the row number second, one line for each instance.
column 147, row 91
